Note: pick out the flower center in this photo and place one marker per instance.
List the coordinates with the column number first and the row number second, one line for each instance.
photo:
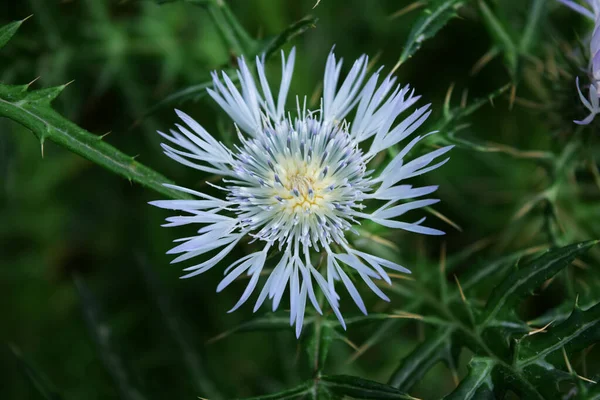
column 300, row 186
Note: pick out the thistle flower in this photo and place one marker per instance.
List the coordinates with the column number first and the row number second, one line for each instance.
column 592, row 102
column 297, row 185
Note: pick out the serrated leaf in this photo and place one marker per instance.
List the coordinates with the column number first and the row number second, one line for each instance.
column 359, row 388
column 289, row 394
column 297, row 28
column 320, row 339
column 580, row 330
column 33, row 110
column 500, row 34
column 37, row 378
column 478, row 384
column 520, row 283
column 435, row 17
column 268, row 48
column 7, row 31
column 101, row 334
column 434, row 349
column 270, row 321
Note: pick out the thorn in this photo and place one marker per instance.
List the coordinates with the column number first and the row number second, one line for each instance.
column 462, row 295
column 374, row 60
column 405, row 314
column 106, row 134
column 134, row 157
column 583, row 378
column 443, row 258
column 26, row 18
column 316, row 4
column 540, row 330
column 463, row 98
column 445, row 219
column 398, row 276
column 569, row 368
column 68, row 83
column 349, row 343
column 447, row 100
column 42, row 147
column 32, row 82
column 483, row 61
column 407, row 9
column 513, row 95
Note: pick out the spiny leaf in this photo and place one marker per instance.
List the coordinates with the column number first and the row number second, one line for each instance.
column 100, row 332
column 503, row 40
column 580, row 330
column 293, row 393
column 171, row 319
column 319, row 341
column 359, row 388
column 270, row 321
column 33, row 110
column 269, row 47
column 7, row 31
column 501, row 304
column 297, row 28
column 531, row 31
column 37, row 378
column 414, row 366
column 477, row 385
column 436, row 17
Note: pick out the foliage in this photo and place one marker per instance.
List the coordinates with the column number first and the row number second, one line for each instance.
column 505, row 306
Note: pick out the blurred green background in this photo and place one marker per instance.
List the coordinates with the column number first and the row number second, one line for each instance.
column 89, row 304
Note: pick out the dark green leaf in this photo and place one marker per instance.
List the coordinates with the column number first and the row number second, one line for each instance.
column 271, row 45
column 435, row 17
column 500, row 34
column 33, row 110
column 294, row 393
column 7, row 31
column 359, row 388
column 434, row 349
column 580, row 330
column 520, row 283
column 36, row 377
column 318, row 344
column 101, row 333
column 196, row 92
column 477, row 385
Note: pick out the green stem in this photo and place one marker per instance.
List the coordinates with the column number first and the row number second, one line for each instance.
column 32, row 110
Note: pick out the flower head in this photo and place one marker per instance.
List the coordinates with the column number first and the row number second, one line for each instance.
column 297, row 185
column 592, row 101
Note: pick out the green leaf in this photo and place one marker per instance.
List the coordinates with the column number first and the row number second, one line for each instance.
column 271, row 45
column 500, row 34
column 359, row 388
column 33, row 110
column 532, row 27
column 268, row 48
column 505, row 297
column 320, row 339
column 294, row 393
column 580, row 330
column 8, row 30
column 37, row 378
column 270, row 321
column 436, row 348
column 477, row 385
column 435, row 17
column 101, row 333
column 171, row 319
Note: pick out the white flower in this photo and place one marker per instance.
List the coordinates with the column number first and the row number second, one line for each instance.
column 298, row 184
column 592, row 102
